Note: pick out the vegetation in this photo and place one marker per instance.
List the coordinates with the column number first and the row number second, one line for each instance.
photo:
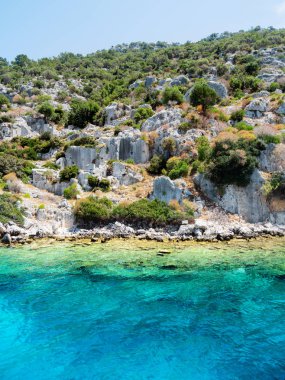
column 203, row 95
column 82, row 113
column 144, row 212
column 68, row 173
column 71, row 191
column 9, row 209
column 96, row 184
column 172, row 94
column 177, row 168
column 232, row 162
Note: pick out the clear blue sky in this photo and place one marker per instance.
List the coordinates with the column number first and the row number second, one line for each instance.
column 41, row 28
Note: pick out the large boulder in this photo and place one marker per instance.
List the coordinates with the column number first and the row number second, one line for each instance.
column 166, row 190
column 257, row 108
column 219, row 88
column 171, row 118
column 125, row 175
column 181, row 80
column 149, row 81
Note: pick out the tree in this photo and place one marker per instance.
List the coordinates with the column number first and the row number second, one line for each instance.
column 172, row 94
column 22, row 60
column 203, row 95
column 82, row 113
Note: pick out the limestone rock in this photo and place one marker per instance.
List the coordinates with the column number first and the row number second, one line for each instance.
column 171, row 117
column 125, row 175
column 257, row 108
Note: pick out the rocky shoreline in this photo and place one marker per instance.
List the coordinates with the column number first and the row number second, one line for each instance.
column 200, row 231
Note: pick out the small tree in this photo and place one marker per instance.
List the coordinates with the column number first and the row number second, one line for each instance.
column 82, row 113
column 172, row 94
column 4, row 100
column 203, row 95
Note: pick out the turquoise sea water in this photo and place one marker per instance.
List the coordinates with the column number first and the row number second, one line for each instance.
column 121, row 311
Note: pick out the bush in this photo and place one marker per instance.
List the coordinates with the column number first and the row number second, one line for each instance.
column 232, row 162
column 271, row 139
column 71, row 191
column 142, row 114
column 169, row 145
column 12, row 164
column 145, row 212
column 82, row 113
column 177, row 168
column 172, row 94
column 47, row 110
column 243, row 126
column 9, row 210
column 203, row 95
column 87, row 141
column 157, row 163
column 92, row 210
column 238, row 115
column 96, row 183
column 204, row 148
column 4, row 100
column 274, row 86
column 69, row 172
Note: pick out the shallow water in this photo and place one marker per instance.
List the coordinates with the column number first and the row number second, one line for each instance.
column 121, row 311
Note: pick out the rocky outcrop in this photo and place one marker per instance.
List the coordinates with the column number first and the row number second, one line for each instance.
column 219, row 88
column 170, row 118
column 181, row 80
column 249, row 202
column 125, row 175
column 166, row 190
column 48, row 179
column 84, row 158
column 115, row 112
column 272, row 159
column 257, row 108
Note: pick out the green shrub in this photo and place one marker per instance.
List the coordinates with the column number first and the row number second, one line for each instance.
column 172, row 94
column 71, row 191
column 238, row 115
column 82, row 113
column 96, row 183
column 142, row 114
column 243, row 126
column 4, row 100
column 169, row 145
column 203, row 148
column 157, row 163
column 232, row 162
column 271, row 139
column 12, row 164
column 144, row 212
column 68, row 173
column 177, row 168
column 203, row 95
column 87, row 141
column 274, row 86
column 47, row 110
column 93, row 209
column 9, row 210
column 50, row 165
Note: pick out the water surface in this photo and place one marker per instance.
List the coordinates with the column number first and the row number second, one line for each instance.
column 121, row 311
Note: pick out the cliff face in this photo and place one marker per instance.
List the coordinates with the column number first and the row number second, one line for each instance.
column 248, row 202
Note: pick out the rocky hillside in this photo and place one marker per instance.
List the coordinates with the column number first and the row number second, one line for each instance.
column 148, row 135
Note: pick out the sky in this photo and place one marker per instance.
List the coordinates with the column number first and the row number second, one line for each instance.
column 45, row 28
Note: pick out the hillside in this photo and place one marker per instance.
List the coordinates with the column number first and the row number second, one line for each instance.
column 185, row 139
